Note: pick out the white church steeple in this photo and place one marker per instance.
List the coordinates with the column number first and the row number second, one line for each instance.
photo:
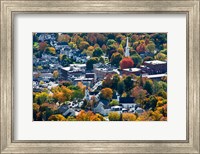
column 127, row 54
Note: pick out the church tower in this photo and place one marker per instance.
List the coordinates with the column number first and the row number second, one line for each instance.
column 127, row 54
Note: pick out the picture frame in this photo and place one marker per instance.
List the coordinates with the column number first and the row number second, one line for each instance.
column 10, row 8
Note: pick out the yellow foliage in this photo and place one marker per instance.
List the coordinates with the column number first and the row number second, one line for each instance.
column 114, row 116
column 62, row 93
column 55, row 74
column 89, row 116
column 52, row 50
column 129, row 117
column 41, row 97
column 57, row 117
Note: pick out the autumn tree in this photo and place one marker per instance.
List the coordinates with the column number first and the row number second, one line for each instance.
column 148, row 86
column 151, row 47
column 42, row 46
column 72, row 45
column 126, row 62
column 115, row 59
column 57, row 117
column 83, row 45
column 41, row 97
column 62, row 93
column 97, row 52
column 107, row 82
column 55, row 74
column 161, row 56
column 88, row 116
column 139, row 93
column 90, row 62
column 128, row 117
column 141, row 47
column 106, row 93
column 114, row 116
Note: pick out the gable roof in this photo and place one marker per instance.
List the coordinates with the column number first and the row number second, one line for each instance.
column 126, row 100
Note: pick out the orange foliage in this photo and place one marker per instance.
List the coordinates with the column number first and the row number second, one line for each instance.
column 57, row 117
column 62, row 93
column 64, row 38
column 106, row 93
column 42, row 46
column 88, row 116
column 128, row 117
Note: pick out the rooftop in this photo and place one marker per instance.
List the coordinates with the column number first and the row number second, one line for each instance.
column 154, row 76
column 132, row 69
column 155, row 62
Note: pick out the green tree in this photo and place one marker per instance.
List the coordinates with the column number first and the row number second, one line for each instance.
column 137, row 59
column 120, row 87
column 114, row 103
column 148, row 86
column 98, row 52
column 115, row 81
column 116, row 58
column 90, row 62
column 114, row 116
column 151, row 47
column 128, row 82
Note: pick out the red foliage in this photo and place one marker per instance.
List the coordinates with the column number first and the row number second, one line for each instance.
column 126, row 62
column 141, row 47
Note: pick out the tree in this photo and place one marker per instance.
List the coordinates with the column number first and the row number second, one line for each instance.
column 72, row 45
column 141, row 47
column 161, row 56
column 139, row 94
column 120, row 87
column 128, row 82
column 41, row 97
column 63, row 38
column 57, row 117
column 114, row 116
column 121, row 50
column 55, row 74
column 115, row 81
column 152, row 102
column 83, row 45
column 51, row 50
column 106, row 93
column 88, row 116
column 98, row 52
column 42, row 46
column 62, row 94
column 107, row 82
column 137, row 59
column 90, row 62
column 163, row 94
column 151, row 47
column 114, row 103
column 77, row 94
column 115, row 59
column 128, row 117
column 148, row 86
column 126, row 62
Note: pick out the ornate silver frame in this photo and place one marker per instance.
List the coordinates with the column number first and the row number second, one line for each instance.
column 11, row 7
